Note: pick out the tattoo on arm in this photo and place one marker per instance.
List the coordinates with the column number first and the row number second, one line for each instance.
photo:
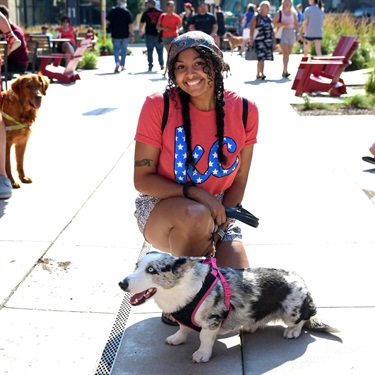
column 144, row 162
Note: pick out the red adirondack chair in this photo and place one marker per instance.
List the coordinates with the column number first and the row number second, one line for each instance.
column 62, row 74
column 322, row 73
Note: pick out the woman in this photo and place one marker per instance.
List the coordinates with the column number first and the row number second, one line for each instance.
column 312, row 27
column 246, row 26
column 200, row 163
column 186, row 16
column 289, row 23
column 264, row 40
column 170, row 24
column 66, row 32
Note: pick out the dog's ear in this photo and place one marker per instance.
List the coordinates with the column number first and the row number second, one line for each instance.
column 17, row 86
column 44, row 81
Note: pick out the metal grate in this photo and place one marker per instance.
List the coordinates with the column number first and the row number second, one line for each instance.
column 118, row 329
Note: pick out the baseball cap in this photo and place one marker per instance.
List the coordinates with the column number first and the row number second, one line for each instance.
column 188, row 5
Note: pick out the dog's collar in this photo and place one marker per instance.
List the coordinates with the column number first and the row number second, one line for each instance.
column 17, row 125
column 186, row 315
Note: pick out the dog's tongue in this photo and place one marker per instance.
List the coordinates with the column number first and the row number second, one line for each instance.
column 139, row 298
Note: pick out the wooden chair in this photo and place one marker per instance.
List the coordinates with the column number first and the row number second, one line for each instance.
column 4, row 64
column 54, row 71
column 32, row 48
column 322, row 73
column 44, row 44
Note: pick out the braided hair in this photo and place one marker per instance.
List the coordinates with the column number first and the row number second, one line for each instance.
column 214, row 68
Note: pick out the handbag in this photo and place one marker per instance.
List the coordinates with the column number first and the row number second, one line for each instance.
column 279, row 30
column 251, row 54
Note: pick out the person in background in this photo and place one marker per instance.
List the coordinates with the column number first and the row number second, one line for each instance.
column 150, row 19
column 204, row 21
column 183, row 195
column 5, row 184
column 169, row 24
column 122, row 31
column 300, row 22
column 90, row 34
column 264, row 41
column 312, row 27
column 18, row 59
column 44, row 31
column 250, row 11
column 186, row 16
column 289, row 22
column 66, row 31
column 6, row 29
column 220, row 20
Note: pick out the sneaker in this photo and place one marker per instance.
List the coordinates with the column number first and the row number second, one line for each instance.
column 150, row 68
column 5, row 187
column 117, row 68
column 162, row 67
column 13, row 43
column 123, row 68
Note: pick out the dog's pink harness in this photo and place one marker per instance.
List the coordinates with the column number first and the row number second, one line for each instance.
column 186, row 316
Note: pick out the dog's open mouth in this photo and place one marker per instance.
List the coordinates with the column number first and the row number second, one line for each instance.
column 36, row 105
column 139, row 298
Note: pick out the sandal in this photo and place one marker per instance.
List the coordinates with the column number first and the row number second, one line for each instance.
column 369, row 159
column 243, row 215
column 168, row 319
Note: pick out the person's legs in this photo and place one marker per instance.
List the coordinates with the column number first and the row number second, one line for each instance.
column 318, row 47
column 116, row 52
column 12, row 40
column 306, row 47
column 150, row 51
column 231, row 254
column 372, row 150
column 260, row 69
column 123, row 52
column 160, row 50
column 181, row 227
column 5, row 185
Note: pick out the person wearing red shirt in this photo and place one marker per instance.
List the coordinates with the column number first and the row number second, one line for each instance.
column 66, row 31
column 170, row 24
column 188, row 173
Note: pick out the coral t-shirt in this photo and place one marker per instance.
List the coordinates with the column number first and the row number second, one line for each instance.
column 172, row 21
column 208, row 173
column 67, row 34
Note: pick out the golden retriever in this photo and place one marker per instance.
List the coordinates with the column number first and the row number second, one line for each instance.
column 233, row 40
column 19, row 107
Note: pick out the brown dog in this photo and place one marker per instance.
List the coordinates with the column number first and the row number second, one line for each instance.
column 233, row 40
column 19, row 108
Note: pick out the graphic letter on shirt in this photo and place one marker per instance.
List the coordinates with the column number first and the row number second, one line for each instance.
column 214, row 167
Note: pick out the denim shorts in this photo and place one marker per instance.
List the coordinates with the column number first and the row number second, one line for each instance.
column 144, row 204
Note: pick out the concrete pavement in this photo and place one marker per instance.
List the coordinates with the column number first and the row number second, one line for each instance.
column 70, row 236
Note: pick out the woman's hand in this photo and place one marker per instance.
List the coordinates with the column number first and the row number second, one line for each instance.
column 210, row 201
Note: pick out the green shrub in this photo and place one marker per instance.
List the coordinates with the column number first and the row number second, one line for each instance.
column 360, row 101
column 370, row 84
column 89, row 60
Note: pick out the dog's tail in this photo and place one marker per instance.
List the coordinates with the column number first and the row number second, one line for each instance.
column 316, row 324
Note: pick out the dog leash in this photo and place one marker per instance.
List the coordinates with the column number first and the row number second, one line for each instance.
column 13, row 127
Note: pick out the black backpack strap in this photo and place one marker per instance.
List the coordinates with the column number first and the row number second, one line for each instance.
column 165, row 112
column 245, row 110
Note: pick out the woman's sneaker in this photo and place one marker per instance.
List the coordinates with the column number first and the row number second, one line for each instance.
column 5, row 187
column 13, row 43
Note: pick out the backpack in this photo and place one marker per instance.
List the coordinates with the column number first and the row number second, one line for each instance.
column 245, row 108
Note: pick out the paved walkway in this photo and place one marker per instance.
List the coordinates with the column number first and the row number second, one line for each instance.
column 68, row 239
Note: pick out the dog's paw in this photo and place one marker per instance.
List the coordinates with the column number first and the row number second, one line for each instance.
column 292, row 332
column 201, row 357
column 26, row 180
column 176, row 339
column 15, row 185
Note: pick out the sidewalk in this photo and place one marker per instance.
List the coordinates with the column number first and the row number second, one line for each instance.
column 67, row 239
